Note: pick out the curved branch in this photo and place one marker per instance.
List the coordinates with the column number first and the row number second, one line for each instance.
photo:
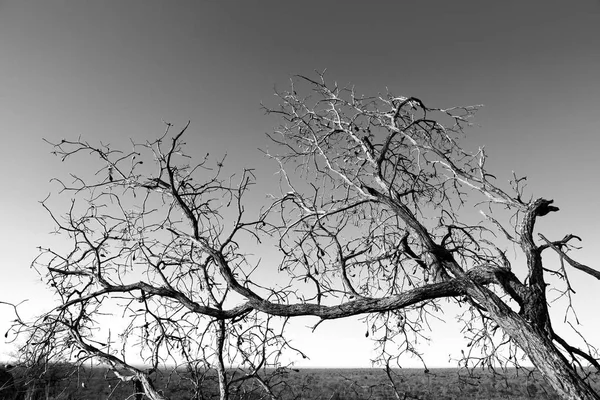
column 556, row 247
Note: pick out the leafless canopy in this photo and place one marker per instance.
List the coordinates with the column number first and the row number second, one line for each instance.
column 374, row 218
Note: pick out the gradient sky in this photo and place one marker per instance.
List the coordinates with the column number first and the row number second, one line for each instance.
column 110, row 70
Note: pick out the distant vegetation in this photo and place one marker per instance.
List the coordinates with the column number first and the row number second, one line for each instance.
column 62, row 382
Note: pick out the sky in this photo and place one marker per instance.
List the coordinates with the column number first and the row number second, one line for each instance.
column 113, row 70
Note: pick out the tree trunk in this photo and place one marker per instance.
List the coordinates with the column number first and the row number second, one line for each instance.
column 553, row 365
column 544, row 355
column 144, row 386
column 138, row 389
column 223, row 388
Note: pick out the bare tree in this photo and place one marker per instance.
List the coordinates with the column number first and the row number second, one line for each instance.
column 146, row 255
column 374, row 219
column 384, row 226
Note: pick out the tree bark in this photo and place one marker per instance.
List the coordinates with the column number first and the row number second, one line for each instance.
column 147, row 388
column 138, row 389
column 223, row 388
column 544, row 355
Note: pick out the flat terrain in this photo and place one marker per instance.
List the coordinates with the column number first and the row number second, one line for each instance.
column 322, row 384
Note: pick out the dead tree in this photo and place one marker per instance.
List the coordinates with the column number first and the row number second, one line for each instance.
column 385, row 225
column 148, row 245
column 374, row 218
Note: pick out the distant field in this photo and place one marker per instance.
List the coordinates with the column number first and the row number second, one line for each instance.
column 321, row 384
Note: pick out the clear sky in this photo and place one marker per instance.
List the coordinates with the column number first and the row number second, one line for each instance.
column 110, row 70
